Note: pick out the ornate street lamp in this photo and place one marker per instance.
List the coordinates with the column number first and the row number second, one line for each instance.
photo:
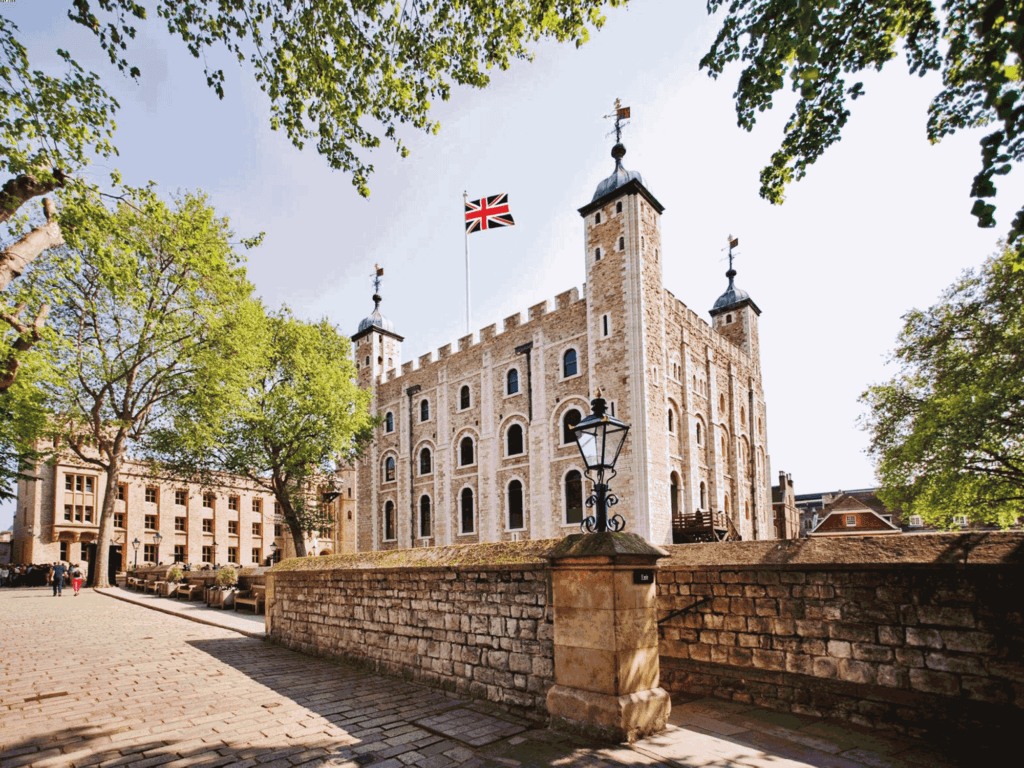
column 157, row 538
column 135, row 544
column 600, row 438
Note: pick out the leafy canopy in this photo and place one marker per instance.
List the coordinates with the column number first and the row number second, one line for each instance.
column 947, row 432
column 298, row 414
column 49, row 125
column 817, row 44
column 345, row 73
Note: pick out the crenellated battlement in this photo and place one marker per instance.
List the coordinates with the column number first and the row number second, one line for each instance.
column 538, row 313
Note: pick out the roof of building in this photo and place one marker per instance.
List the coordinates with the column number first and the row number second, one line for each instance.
column 869, row 517
column 375, row 319
column 621, row 181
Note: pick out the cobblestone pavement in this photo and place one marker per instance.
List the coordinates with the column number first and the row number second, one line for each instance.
column 93, row 681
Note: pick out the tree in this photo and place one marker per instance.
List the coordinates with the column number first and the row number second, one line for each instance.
column 48, row 128
column 344, row 73
column 299, row 414
column 152, row 306
column 817, row 43
column 947, row 432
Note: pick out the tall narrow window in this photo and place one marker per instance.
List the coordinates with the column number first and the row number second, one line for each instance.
column 597, row 217
column 571, row 419
column 622, row 243
column 425, row 462
column 512, row 382
column 597, row 254
column 389, row 469
column 673, row 490
column 466, row 516
column 466, row 451
column 464, row 397
column 424, row 410
column 424, row 516
column 618, row 207
column 389, row 521
column 574, row 497
column 604, row 324
column 389, row 422
column 515, row 505
column 569, row 367
column 671, row 421
column 514, row 440
column 700, row 436
column 703, row 496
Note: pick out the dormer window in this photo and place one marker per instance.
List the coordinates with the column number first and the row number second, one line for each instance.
column 851, row 521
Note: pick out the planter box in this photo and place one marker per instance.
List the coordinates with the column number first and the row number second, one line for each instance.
column 220, row 598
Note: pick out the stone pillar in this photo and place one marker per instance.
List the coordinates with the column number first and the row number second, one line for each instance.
column 606, row 638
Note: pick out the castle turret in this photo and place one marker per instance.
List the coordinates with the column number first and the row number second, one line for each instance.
column 735, row 314
column 626, row 319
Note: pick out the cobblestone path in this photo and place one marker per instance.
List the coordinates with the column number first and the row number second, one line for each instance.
column 93, row 681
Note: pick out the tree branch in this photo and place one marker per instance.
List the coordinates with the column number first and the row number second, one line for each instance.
column 16, row 257
column 27, row 336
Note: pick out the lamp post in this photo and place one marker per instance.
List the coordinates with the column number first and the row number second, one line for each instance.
column 135, row 544
column 600, row 438
column 273, row 547
column 215, row 552
column 157, row 538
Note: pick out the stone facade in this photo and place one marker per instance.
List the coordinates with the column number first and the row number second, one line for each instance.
column 908, row 646
column 482, row 631
column 473, row 444
column 57, row 518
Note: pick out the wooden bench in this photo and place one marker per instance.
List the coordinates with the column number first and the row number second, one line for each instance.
column 187, row 591
column 134, row 582
column 154, row 586
column 256, row 597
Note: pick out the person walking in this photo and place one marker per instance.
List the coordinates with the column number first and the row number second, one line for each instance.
column 58, row 573
column 76, row 578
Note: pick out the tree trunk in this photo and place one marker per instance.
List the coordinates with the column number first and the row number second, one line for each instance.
column 107, row 523
column 17, row 256
column 298, row 538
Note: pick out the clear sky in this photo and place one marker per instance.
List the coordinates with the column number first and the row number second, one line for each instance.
column 879, row 226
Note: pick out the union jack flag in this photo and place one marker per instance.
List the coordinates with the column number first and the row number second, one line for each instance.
column 488, row 213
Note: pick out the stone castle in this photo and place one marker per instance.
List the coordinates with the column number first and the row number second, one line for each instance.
column 475, row 444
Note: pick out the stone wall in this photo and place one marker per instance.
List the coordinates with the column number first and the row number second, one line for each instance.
column 928, row 636
column 480, row 631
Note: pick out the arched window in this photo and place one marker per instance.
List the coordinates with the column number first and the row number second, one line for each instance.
column 511, row 381
column 389, row 521
column 424, row 410
column 622, row 243
column 597, row 254
column 466, row 451
column 673, row 494
column 760, row 428
column 728, row 319
column 671, row 421
column 571, row 419
column 425, row 467
column 464, row 396
column 597, row 217
column 746, row 509
column 389, row 422
column 723, row 446
column 618, row 207
column 424, row 516
column 466, row 513
column 721, row 403
column 703, row 496
column 569, row 367
column 515, row 505
column 389, row 469
column 700, row 435
column 574, row 497
column 743, row 414
column 694, row 383
column 514, row 440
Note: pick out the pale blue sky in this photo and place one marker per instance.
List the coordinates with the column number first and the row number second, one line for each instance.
column 880, row 225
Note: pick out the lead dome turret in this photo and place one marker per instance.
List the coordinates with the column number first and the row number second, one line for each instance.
column 375, row 319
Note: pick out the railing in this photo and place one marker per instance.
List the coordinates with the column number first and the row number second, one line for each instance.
column 700, row 521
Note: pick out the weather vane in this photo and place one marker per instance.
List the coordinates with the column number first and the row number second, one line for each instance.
column 733, row 243
column 377, row 275
column 621, row 113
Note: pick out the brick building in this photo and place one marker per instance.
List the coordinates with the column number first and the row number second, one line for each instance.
column 475, row 444
column 57, row 518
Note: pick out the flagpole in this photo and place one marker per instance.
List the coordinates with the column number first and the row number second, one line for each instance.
column 465, row 230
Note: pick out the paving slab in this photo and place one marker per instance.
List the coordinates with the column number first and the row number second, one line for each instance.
column 145, row 681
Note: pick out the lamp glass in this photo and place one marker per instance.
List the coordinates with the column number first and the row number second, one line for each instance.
column 600, row 440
